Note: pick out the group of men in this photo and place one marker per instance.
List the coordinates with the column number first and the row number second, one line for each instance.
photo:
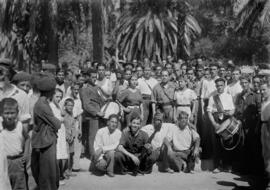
column 169, row 114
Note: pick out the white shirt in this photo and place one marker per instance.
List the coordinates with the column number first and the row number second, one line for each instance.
column 234, row 89
column 106, row 86
column 159, row 137
column 13, row 140
column 23, row 102
column 208, row 88
column 107, row 141
column 182, row 139
column 146, row 86
column 226, row 101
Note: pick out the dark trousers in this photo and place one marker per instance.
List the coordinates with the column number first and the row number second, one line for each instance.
column 124, row 164
column 45, row 168
column 106, row 164
column 17, row 174
column 146, row 112
column 149, row 159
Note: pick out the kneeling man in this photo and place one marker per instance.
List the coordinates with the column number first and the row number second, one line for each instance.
column 106, row 141
column 128, row 156
column 184, row 146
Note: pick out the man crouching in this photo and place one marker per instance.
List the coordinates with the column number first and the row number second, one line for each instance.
column 182, row 146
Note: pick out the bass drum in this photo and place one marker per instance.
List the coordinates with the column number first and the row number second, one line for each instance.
column 111, row 108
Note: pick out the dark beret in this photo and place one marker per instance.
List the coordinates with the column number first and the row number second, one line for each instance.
column 46, row 83
column 21, row 76
column 220, row 79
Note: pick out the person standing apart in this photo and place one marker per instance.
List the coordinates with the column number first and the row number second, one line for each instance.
column 44, row 163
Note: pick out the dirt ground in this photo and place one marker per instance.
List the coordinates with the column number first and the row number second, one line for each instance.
column 157, row 181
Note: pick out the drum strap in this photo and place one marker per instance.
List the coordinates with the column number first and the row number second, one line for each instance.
column 218, row 103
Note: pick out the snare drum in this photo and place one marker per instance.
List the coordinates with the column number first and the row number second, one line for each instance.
column 229, row 128
column 111, row 108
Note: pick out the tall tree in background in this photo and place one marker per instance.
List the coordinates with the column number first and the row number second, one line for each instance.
column 97, row 29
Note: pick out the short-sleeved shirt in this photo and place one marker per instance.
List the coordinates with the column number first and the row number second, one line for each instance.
column 163, row 94
column 183, row 139
column 130, row 98
column 159, row 137
column 146, row 86
column 226, row 101
column 133, row 144
column 208, row 88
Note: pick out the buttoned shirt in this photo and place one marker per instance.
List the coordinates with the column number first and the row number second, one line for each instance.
column 159, row 137
column 107, row 141
column 183, row 139
column 133, row 143
column 226, row 101
column 146, row 85
column 163, row 94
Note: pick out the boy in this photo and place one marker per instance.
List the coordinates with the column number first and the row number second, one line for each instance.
column 16, row 143
column 69, row 122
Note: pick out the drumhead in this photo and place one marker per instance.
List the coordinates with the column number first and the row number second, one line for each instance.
column 110, row 108
column 224, row 125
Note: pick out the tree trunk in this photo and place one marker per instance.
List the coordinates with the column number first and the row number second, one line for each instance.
column 97, row 29
column 52, row 35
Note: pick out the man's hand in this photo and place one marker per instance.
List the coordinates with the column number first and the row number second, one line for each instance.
column 24, row 160
column 127, row 110
column 196, row 152
column 148, row 146
column 100, row 114
column 97, row 154
column 136, row 160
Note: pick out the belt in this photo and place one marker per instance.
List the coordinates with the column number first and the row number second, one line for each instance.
column 165, row 103
column 133, row 107
column 183, row 105
column 264, row 122
column 14, row 157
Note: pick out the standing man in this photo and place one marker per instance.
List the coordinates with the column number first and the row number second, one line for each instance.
column 44, row 164
column 235, row 87
column 220, row 108
column 146, row 85
column 163, row 95
column 92, row 103
column 248, row 105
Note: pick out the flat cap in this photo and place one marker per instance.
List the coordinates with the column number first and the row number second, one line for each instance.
column 21, row 76
column 46, row 83
column 5, row 62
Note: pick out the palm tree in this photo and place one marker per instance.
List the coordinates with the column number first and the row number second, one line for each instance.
column 156, row 28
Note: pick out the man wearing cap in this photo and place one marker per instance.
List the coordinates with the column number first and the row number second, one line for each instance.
column 146, row 85
column 8, row 90
column 157, row 132
column 220, row 108
column 22, row 81
column 163, row 95
column 44, row 164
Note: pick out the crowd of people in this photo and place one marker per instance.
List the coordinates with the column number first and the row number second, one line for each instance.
column 129, row 116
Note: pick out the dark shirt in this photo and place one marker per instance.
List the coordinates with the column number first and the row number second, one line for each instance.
column 46, row 125
column 91, row 100
column 133, row 144
column 248, row 108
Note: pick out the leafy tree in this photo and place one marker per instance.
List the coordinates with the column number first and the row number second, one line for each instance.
column 156, row 28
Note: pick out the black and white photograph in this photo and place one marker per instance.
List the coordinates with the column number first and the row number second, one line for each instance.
column 134, row 94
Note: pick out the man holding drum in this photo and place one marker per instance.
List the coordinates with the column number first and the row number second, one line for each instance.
column 220, row 108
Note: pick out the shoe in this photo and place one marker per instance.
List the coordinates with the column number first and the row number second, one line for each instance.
column 217, row 170
column 76, row 170
column 72, row 175
column 110, row 174
column 169, row 170
column 62, row 182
